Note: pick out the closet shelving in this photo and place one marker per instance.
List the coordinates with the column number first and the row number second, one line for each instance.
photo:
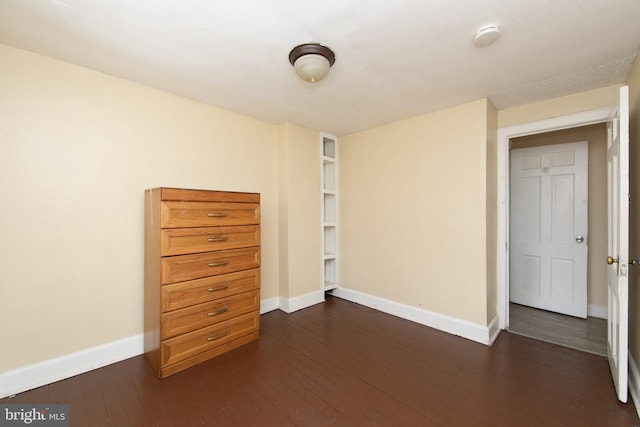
column 328, row 146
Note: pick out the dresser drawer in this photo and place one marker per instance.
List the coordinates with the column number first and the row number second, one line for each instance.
column 188, row 319
column 208, row 214
column 186, row 267
column 179, row 241
column 184, row 346
column 183, row 194
column 192, row 292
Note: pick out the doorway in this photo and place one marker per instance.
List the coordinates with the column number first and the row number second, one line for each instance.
column 583, row 334
column 549, row 228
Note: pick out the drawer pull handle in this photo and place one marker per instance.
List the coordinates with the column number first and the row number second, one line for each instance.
column 218, row 239
column 218, row 264
column 215, row 313
column 217, row 337
column 219, row 288
column 218, row 214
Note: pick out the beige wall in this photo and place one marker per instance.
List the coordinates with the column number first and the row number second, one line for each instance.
column 283, row 204
column 634, row 214
column 78, row 150
column 413, row 212
column 577, row 103
column 299, row 193
column 492, row 211
column 596, row 135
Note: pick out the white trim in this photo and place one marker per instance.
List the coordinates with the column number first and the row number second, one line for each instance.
column 462, row 328
column 598, row 311
column 59, row 368
column 289, row 305
column 494, row 330
column 504, row 135
column 634, row 383
column 270, row 304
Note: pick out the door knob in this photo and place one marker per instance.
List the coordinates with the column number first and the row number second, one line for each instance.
column 579, row 239
column 611, row 260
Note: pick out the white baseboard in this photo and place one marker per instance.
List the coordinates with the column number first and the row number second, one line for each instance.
column 270, row 304
column 634, row 383
column 289, row 305
column 49, row 371
column 494, row 330
column 599, row 311
column 472, row 331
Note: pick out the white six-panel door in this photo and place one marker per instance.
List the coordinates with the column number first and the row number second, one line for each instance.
column 618, row 246
column 549, row 227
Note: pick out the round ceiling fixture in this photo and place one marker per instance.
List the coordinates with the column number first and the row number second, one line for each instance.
column 486, row 35
column 311, row 61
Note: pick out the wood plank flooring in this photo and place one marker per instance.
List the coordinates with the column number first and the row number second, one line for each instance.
column 340, row 363
column 588, row 334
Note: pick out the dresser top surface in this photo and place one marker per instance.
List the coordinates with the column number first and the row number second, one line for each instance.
column 193, row 195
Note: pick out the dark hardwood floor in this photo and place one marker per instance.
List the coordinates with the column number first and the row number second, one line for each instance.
column 340, row 363
column 588, row 334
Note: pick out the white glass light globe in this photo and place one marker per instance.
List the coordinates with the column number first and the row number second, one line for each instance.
column 312, row 67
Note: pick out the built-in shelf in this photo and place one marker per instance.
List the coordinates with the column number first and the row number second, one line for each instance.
column 330, row 273
column 329, row 199
column 328, row 146
column 329, row 174
column 329, row 240
column 329, row 202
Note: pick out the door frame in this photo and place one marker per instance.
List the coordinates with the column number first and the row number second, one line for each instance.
column 601, row 115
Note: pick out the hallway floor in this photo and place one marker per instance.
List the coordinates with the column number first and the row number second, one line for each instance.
column 588, row 335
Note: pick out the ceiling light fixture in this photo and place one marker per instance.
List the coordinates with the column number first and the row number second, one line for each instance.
column 311, row 61
column 486, row 35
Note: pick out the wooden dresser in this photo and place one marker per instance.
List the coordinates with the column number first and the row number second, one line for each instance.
column 202, row 275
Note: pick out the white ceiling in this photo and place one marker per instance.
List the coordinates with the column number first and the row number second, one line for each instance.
column 394, row 59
